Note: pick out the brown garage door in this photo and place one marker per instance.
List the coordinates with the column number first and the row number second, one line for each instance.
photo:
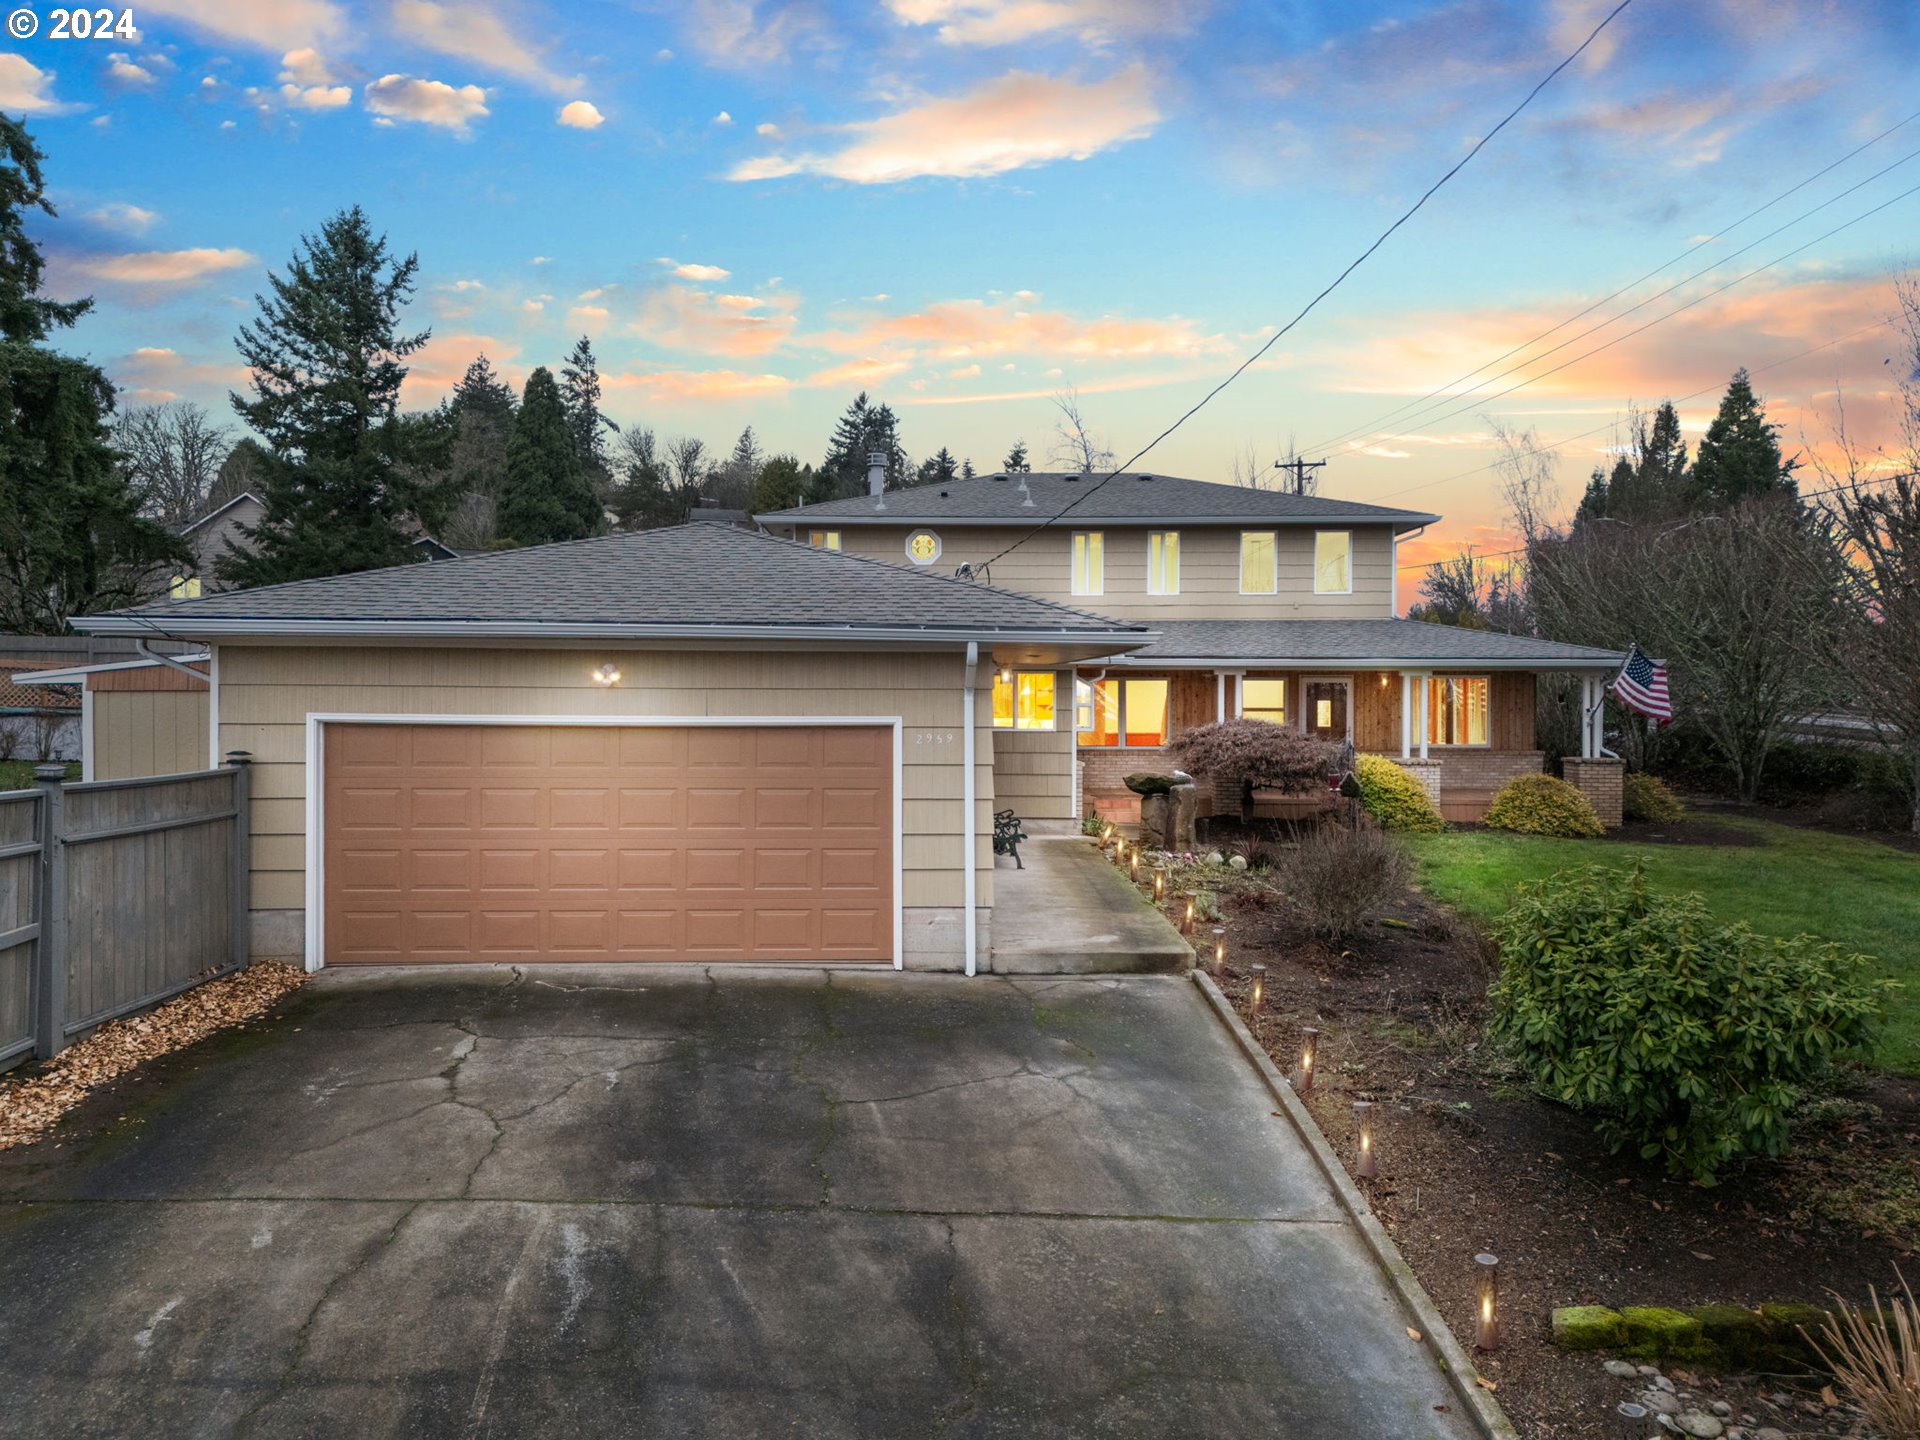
column 590, row 843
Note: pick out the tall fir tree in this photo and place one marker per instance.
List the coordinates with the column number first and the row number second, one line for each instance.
column 782, row 484
column 547, row 495
column 1740, row 454
column 72, row 539
column 865, row 429
column 731, row 483
column 327, row 359
column 1016, row 461
column 1651, row 483
column 589, row 425
column 482, row 411
column 482, row 392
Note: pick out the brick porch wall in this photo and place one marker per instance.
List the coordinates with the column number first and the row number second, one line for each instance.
column 1484, row 769
column 1603, row 782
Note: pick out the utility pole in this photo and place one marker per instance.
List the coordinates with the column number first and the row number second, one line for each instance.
column 1297, row 468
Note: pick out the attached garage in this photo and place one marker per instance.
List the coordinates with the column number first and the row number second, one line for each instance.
column 499, row 841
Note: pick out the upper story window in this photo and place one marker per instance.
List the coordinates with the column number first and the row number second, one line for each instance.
column 184, row 587
column 1458, row 709
column 1264, row 700
column 1333, row 562
column 1089, row 563
column 1112, row 713
column 923, row 547
column 1259, row 562
column 1163, row 562
column 1023, row 700
column 824, row 539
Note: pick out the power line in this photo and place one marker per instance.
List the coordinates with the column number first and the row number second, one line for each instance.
column 1375, row 425
column 1333, row 285
column 1432, row 419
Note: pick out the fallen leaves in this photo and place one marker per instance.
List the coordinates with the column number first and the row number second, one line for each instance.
column 1413, row 1334
column 30, row 1106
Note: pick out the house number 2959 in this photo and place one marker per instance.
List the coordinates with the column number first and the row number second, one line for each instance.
column 933, row 737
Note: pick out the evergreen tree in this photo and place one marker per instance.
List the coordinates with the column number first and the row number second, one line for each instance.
column 482, row 412
column 864, row 429
column 327, row 360
column 547, row 495
column 72, row 539
column 580, row 390
column 241, row 473
column 1651, row 483
column 482, row 393
column 648, row 497
column 967, row 472
column 1016, row 460
column 731, row 483
column 1740, row 455
column 784, row 483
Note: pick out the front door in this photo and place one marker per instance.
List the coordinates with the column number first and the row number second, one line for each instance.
column 1328, row 708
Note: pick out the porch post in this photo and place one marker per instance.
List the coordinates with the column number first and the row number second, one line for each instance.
column 1426, row 719
column 1219, row 695
column 1589, row 721
column 1406, row 716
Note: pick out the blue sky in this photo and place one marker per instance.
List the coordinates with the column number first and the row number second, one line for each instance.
column 964, row 205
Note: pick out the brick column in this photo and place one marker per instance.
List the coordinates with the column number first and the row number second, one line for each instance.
column 1602, row 781
column 1427, row 772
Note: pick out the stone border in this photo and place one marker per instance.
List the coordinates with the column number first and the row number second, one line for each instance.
column 1487, row 1415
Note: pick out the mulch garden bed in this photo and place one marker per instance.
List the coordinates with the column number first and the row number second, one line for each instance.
column 1471, row 1160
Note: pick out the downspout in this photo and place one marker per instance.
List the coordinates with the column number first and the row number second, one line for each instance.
column 969, row 880
column 140, row 648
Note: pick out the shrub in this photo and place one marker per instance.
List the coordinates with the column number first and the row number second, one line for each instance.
column 1394, row 798
column 1338, row 876
column 1543, row 805
column 1689, row 1039
column 1645, row 797
column 1253, row 754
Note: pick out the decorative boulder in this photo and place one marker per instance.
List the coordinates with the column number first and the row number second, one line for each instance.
column 1154, row 808
column 1183, row 814
column 1143, row 783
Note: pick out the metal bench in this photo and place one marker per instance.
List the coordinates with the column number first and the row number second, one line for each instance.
column 1007, row 836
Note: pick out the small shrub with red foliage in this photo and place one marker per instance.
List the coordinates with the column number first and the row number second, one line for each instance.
column 1254, row 755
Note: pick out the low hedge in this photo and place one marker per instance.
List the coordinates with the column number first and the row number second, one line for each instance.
column 1543, row 805
column 1646, row 797
column 1394, row 798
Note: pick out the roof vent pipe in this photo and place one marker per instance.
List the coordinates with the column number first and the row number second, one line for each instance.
column 877, row 474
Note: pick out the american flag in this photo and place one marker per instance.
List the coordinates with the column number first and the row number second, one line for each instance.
column 1642, row 685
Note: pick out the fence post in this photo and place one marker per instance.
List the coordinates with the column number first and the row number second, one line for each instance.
column 50, row 950
column 240, row 883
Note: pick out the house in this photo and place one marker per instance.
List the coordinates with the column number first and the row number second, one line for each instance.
column 208, row 538
column 1266, row 604
column 699, row 743
column 37, row 721
column 149, row 715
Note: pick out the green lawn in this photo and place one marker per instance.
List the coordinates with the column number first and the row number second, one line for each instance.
column 18, row 774
column 1863, row 894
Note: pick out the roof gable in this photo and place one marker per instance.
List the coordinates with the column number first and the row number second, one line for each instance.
column 1133, row 496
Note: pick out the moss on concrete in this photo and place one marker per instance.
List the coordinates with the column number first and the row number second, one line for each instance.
column 1715, row 1337
column 1588, row 1327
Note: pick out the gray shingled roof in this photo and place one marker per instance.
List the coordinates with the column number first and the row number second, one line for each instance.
column 1136, row 495
column 1364, row 642
column 692, row 579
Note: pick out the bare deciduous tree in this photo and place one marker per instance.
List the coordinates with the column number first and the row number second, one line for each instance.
column 688, row 459
column 172, row 454
column 1075, row 447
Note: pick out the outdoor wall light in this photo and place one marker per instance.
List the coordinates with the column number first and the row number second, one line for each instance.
column 1159, row 882
column 1363, row 1139
column 607, row 675
column 1309, row 1044
column 1486, row 1327
column 1219, row 949
column 1257, row 995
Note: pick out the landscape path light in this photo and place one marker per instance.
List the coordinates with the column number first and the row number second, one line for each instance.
column 1159, row 882
column 1257, row 995
column 1133, row 866
column 1363, row 1139
column 1309, row 1049
column 1219, row 949
column 1486, row 1319
column 1187, row 916
column 1633, row 1420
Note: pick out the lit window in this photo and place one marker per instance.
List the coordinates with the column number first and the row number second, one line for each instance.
column 1332, row 562
column 1110, row 713
column 1259, row 562
column 1163, row 562
column 184, row 587
column 923, row 547
column 1089, row 563
column 1023, row 701
column 1457, row 709
column 824, row 539
column 1264, row 700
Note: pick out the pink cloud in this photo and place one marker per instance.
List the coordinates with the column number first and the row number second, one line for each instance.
column 685, row 319
column 694, row 386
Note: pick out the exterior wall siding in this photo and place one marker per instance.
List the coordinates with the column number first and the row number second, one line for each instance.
column 150, row 732
column 267, row 692
column 1209, row 568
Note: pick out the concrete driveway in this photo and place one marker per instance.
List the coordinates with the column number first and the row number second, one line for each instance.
column 663, row 1204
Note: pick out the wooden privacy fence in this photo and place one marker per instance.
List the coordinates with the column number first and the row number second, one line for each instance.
column 114, row 896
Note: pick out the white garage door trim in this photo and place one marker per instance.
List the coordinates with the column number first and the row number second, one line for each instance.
column 316, row 788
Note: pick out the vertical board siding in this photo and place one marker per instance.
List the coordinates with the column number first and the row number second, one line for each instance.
column 19, row 887
column 149, row 732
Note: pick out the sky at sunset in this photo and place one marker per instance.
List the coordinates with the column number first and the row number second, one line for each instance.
column 962, row 206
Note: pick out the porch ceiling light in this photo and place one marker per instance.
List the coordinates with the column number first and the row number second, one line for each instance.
column 607, row 676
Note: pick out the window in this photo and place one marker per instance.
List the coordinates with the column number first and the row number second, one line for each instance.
column 923, row 547
column 824, row 539
column 1264, row 700
column 1457, row 709
column 1120, row 712
column 1089, row 563
column 1023, row 701
column 1259, row 562
column 1333, row 562
column 1163, row 562
column 184, row 587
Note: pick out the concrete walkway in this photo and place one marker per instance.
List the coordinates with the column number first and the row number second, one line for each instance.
column 670, row 1204
column 1071, row 912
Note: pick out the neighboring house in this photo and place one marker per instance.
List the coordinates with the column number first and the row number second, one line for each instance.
column 208, row 537
column 699, row 743
column 37, row 721
column 1268, row 604
column 135, row 717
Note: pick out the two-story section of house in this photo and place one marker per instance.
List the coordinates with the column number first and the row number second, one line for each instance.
column 1271, row 605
